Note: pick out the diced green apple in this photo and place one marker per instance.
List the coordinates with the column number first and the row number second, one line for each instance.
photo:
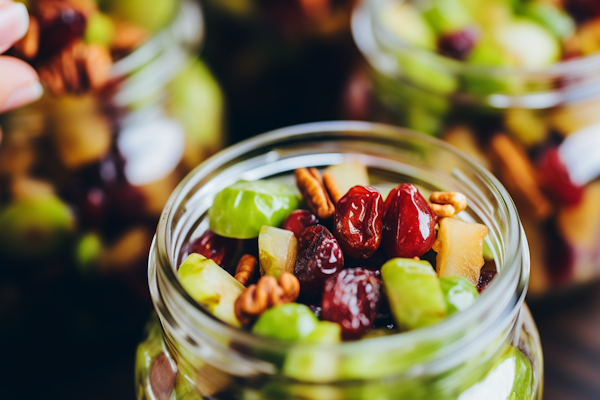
column 242, row 209
column 447, row 15
column 459, row 293
column 414, row 292
column 290, row 322
column 277, row 249
column 406, row 22
column 459, row 246
column 211, row 286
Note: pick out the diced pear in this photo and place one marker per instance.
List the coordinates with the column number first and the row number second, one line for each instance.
column 349, row 174
column 414, row 292
column 277, row 249
column 211, row 286
column 459, row 246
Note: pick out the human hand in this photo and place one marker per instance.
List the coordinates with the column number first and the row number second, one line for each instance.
column 19, row 83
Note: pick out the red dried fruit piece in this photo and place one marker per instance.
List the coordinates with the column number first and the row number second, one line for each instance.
column 555, row 179
column 217, row 248
column 408, row 224
column 59, row 25
column 485, row 278
column 358, row 221
column 459, row 44
column 162, row 377
column 298, row 221
column 351, row 298
column 319, row 257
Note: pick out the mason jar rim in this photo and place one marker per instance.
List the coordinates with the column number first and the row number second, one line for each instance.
column 577, row 66
column 511, row 282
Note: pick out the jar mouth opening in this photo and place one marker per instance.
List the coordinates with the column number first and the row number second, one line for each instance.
column 578, row 67
column 512, row 280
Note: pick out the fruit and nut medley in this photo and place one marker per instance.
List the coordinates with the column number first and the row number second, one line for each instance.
column 341, row 263
column 515, row 33
column 72, row 43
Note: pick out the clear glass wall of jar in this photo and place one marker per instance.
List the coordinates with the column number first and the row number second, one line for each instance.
column 83, row 181
column 188, row 354
column 512, row 121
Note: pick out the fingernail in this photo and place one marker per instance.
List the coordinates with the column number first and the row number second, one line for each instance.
column 14, row 22
column 23, row 95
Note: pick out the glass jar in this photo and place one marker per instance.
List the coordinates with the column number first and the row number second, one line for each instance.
column 511, row 120
column 188, row 354
column 83, row 179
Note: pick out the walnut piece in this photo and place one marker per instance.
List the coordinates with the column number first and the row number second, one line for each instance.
column 332, row 187
column 267, row 293
column 311, row 186
column 447, row 204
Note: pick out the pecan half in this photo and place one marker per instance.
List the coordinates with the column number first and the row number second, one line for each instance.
column 332, row 187
column 245, row 268
column 447, row 204
column 28, row 46
column 311, row 186
column 519, row 176
column 267, row 293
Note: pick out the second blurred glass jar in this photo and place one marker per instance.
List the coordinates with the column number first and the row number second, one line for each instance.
column 510, row 120
column 84, row 178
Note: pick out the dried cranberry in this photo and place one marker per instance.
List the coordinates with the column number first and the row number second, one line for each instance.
column 351, row 298
column 358, row 221
column 220, row 249
column 408, row 224
column 458, row 44
column 319, row 257
column 555, row 179
column 485, row 278
column 583, row 10
column 299, row 220
column 162, row 377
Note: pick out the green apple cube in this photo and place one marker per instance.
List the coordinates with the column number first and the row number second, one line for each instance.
column 277, row 249
column 149, row 14
column 551, row 17
column 414, row 292
column 211, row 286
column 290, row 322
column 349, row 174
column 459, row 293
column 406, row 22
column 315, row 365
column 448, row 15
column 100, row 29
column 242, row 209
column 511, row 378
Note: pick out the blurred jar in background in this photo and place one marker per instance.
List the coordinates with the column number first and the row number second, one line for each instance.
column 128, row 110
column 516, row 85
column 280, row 62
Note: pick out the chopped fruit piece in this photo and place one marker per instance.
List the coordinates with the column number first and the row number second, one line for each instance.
column 459, row 44
column 464, row 138
column 447, row 15
column 211, row 286
column 526, row 125
column 150, row 14
column 555, row 179
column 218, row 248
column 298, row 221
column 485, row 278
column 315, row 365
column 459, row 293
column 290, row 322
column 414, row 292
column 529, row 44
column 407, row 23
column 460, row 249
column 551, row 17
column 100, row 29
column 319, row 257
column 348, row 175
column 409, row 223
column 240, row 210
column 35, row 228
column 358, row 221
column 277, row 249
column 351, row 298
